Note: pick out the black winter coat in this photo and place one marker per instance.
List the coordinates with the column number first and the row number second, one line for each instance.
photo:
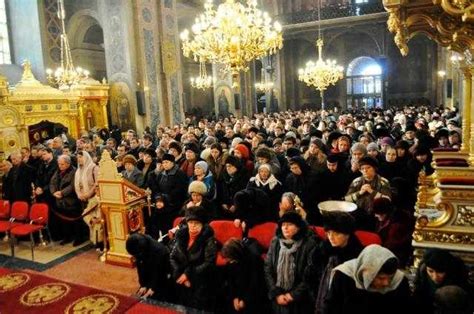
column 171, row 184
column 344, row 298
column 274, row 195
column 43, row 178
column 20, row 179
column 153, row 268
column 323, row 261
column 65, row 184
column 300, row 291
column 198, row 263
column 231, row 185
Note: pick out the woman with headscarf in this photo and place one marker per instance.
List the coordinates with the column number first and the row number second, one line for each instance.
column 266, row 181
column 437, row 269
column 286, row 264
column 370, row 283
column 85, row 184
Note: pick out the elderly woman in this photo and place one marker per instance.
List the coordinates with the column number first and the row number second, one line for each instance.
column 340, row 246
column 287, row 261
column 193, row 258
column 85, row 184
column 202, row 173
column 131, row 172
column 197, row 197
column 266, row 181
column 291, row 202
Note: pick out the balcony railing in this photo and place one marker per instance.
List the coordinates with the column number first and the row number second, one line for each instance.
column 332, row 12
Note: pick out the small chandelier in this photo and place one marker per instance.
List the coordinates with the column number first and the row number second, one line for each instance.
column 324, row 72
column 203, row 81
column 66, row 76
column 232, row 35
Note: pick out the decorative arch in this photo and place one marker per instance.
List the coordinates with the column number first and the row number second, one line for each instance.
column 352, row 31
column 364, row 83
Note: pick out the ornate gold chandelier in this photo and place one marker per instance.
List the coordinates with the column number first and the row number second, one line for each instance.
column 66, row 76
column 324, row 72
column 264, row 86
column 203, row 81
column 233, row 35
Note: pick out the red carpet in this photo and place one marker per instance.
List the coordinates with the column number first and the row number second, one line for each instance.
column 141, row 308
column 22, row 292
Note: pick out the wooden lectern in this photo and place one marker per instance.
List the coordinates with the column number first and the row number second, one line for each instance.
column 121, row 204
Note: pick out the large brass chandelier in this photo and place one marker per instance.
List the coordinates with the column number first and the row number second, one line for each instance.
column 232, row 35
column 66, row 76
column 203, row 81
column 322, row 73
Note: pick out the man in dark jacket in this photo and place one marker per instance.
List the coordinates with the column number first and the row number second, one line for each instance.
column 153, row 267
column 67, row 203
column 171, row 183
column 252, row 207
column 21, row 178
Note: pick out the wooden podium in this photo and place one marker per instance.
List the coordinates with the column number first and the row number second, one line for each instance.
column 121, row 204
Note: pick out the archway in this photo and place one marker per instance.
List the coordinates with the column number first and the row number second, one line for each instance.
column 364, row 83
column 87, row 44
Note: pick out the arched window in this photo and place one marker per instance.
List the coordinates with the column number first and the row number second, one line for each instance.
column 5, row 57
column 364, row 83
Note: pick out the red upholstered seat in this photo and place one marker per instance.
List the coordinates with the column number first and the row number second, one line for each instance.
column 177, row 221
column 39, row 217
column 264, row 234
column 224, row 230
column 4, row 210
column 367, row 238
column 19, row 212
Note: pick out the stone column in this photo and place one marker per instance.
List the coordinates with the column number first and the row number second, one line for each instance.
column 150, row 63
column 466, row 112
column 119, row 39
column 171, row 59
column 469, row 103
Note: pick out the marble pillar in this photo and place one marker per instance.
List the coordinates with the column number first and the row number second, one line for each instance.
column 119, row 40
column 171, row 59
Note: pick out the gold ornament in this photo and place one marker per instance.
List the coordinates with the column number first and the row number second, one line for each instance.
column 45, row 294
column 96, row 303
column 12, row 281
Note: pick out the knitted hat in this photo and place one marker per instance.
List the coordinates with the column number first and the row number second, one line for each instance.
column 368, row 161
column 129, row 159
column 196, row 213
column 265, row 166
column 244, row 151
column 338, row 221
column 203, row 165
column 197, row 187
column 236, row 141
column 372, row 146
column 168, row 157
column 387, row 141
column 292, row 217
column 359, row 147
column 176, row 146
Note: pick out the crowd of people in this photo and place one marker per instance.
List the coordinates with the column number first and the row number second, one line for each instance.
column 269, row 168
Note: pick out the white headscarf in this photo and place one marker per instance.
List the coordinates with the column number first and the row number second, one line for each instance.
column 84, row 180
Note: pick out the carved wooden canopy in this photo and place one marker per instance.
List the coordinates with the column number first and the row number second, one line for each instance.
column 448, row 22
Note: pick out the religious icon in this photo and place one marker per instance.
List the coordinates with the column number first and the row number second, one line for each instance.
column 223, row 101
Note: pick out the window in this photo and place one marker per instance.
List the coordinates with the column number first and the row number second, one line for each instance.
column 364, row 83
column 4, row 42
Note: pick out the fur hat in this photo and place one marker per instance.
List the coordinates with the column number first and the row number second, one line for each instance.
column 129, row 159
column 176, row 146
column 339, row 221
column 168, row 157
column 368, row 161
column 292, row 217
column 203, row 165
column 265, row 152
column 197, row 187
column 195, row 213
column 234, row 161
column 192, row 147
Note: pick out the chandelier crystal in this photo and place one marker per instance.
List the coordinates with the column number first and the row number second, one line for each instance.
column 66, row 76
column 233, row 35
column 203, row 81
column 323, row 73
